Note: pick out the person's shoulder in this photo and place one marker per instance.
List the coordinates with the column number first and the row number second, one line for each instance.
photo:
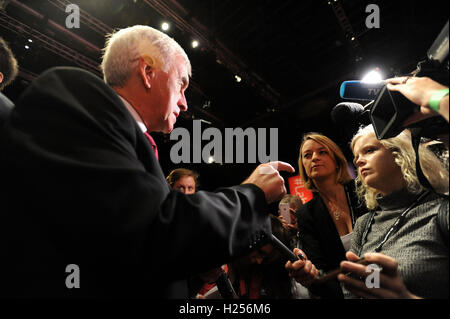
column 365, row 216
column 436, row 201
column 438, row 198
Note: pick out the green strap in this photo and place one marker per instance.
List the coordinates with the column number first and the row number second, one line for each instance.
column 436, row 99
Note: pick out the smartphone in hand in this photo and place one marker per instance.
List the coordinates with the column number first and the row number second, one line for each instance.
column 334, row 273
column 285, row 213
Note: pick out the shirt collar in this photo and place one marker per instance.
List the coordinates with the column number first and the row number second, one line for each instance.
column 134, row 114
column 397, row 199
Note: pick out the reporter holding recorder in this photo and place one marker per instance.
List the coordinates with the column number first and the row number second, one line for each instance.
column 412, row 253
column 325, row 223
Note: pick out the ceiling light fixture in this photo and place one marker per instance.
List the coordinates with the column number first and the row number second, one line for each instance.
column 165, row 26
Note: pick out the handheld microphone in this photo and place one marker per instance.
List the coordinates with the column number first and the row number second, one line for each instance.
column 357, row 90
column 350, row 116
column 284, row 250
column 439, row 49
column 347, row 112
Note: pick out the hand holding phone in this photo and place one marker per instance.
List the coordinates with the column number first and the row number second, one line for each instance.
column 334, row 273
column 285, row 213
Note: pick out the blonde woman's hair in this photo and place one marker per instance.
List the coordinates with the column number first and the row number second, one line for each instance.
column 342, row 174
column 405, row 158
column 124, row 47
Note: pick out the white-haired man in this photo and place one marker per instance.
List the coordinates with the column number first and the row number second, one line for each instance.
column 8, row 72
column 99, row 218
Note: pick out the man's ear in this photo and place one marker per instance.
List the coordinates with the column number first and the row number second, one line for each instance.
column 146, row 64
column 1, row 77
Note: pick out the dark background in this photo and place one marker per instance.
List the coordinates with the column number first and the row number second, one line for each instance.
column 291, row 55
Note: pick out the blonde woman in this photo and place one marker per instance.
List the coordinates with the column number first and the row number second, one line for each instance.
column 325, row 223
column 407, row 231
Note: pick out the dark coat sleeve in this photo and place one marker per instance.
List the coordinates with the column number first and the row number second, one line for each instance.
column 85, row 188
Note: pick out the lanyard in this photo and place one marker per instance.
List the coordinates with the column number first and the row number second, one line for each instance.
column 395, row 226
column 350, row 205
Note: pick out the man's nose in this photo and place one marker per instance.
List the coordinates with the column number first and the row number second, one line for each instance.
column 182, row 103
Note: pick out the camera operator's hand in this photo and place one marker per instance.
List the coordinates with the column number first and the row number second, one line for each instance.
column 419, row 91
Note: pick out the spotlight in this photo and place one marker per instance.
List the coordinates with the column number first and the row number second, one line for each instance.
column 373, row 76
column 27, row 47
column 194, row 44
column 237, row 78
column 165, row 26
column 211, row 160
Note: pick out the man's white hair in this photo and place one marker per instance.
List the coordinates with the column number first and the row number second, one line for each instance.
column 124, row 47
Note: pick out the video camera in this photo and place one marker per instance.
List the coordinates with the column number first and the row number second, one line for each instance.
column 389, row 109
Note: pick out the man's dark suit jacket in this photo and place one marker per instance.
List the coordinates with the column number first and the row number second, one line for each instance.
column 82, row 186
column 6, row 105
column 320, row 240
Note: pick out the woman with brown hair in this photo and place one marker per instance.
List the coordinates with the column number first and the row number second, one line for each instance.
column 326, row 222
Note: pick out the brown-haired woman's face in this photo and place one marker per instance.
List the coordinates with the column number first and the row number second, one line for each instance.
column 317, row 160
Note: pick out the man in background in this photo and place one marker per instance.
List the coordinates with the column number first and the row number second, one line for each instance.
column 183, row 179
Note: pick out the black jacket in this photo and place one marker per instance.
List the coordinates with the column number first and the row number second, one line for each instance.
column 320, row 240
column 81, row 185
